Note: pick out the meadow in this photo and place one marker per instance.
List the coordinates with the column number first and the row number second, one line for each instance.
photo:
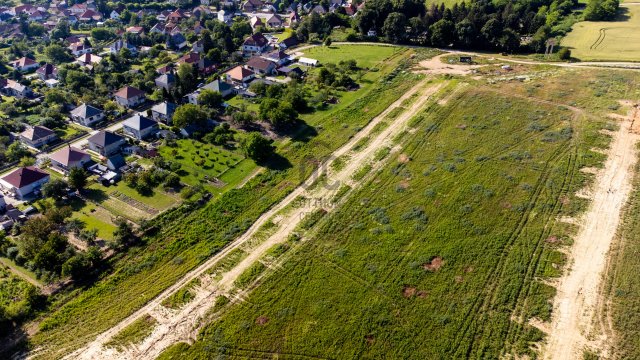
column 189, row 235
column 442, row 254
column 617, row 40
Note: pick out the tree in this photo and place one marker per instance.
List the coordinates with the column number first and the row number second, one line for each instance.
column 172, row 181
column 189, row 114
column 564, row 54
column 57, row 54
column 16, row 151
column 257, row 147
column 442, row 32
column 188, row 78
column 211, row 99
column 78, row 178
column 123, row 235
column 394, row 27
column 55, row 189
column 327, row 42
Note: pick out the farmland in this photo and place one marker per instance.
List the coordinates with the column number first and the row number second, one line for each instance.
column 392, row 253
column 191, row 235
column 617, row 40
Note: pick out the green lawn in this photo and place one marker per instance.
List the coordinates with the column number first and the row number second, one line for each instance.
column 367, row 56
column 200, row 162
column 607, row 40
column 157, row 199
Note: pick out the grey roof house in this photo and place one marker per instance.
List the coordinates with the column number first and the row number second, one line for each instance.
column 139, row 127
column 163, row 112
column 87, row 115
column 106, row 143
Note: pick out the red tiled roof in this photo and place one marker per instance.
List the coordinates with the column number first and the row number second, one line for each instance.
column 128, row 92
column 25, row 176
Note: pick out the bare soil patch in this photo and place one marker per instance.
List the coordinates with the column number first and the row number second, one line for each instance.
column 434, row 265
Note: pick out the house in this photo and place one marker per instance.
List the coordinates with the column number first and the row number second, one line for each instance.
column 288, row 43
column 198, row 47
column 87, row 115
column 166, row 81
column 136, row 30
column 47, row 71
column 255, row 44
column 240, row 75
column 115, row 15
column 129, row 96
column 291, row 72
column 308, row 62
column 278, row 56
column 15, row 89
column 163, row 15
column 88, row 60
column 139, row 127
column 3, row 203
column 225, row 89
column 163, row 112
column 106, row 143
column 120, row 44
column 176, row 41
column 90, row 16
column 37, row 136
column 165, row 69
column 116, row 163
column 24, row 64
column 176, row 16
column 69, row 158
column 24, row 181
column 294, row 18
column 79, row 48
column 260, row 65
column 252, row 5
column 256, row 22
column 319, row 9
column 224, row 16
column 273, row 21
column 203, row 65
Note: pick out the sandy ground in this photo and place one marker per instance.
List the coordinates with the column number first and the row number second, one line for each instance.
column 435, row 66
column 579, row 295
column 183, row 324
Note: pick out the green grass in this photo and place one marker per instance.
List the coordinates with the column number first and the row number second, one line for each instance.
column 133, row 333
column 182, row 296
column 250, row 275
column 482, row 198
column 619, row 41
column 157, row 199
column 200, row 160
column 367, row 56
column 192, row 235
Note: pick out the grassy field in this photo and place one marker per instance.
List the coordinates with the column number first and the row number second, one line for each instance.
column 133, row 333
column 441, row 254
column 366, row 56
column 607, row 41
column 189, row 236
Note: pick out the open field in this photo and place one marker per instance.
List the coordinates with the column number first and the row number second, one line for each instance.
column 366, row 56
column 190, row 236
column 392, row 254
column 607, row 40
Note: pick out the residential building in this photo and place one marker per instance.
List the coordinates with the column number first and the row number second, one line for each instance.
column 37, row 136
column 260, row 65
column 130, row 97
column 163, row 112
column 277, row 56
column 225, row 89
column 24, row 181
column 288, row 43
column 79, row 48
column 88, row 60
column 139, row 127
column 255, row 44
column 120, row 44
column 15, row 89
column 87, row 115
column 106, row 143
column 166, row 81
column 240, row 75
column 308, row 62
column 69, row 158
column 24, row 64
column 47, row 71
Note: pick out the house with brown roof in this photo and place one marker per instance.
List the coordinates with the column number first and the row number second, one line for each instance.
column 24, row 64
column 260, row 65
column 47, row 71
column 129, row 96
column 69, row 158
column 176, row 16
column 255, row 44
column 24, row 181
column 240, row 75
column 37, row 136
column 137, row 30
column 79, row 48
column 252, row 5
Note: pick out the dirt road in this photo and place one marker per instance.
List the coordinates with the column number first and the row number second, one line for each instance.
column 579, row 291
column 183, row 325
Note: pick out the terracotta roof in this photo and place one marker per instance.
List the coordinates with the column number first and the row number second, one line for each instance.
column 256, row 39
column 37, row 132
column 47, row 69
column 239, row 73
column 68, row 155
column 25, row 176
column 24, row 61
column 128, row 92
column 260, row 63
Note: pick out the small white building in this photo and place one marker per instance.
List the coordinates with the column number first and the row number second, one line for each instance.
column 308, row 62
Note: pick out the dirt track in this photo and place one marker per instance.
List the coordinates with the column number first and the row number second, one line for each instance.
column 579, row 292
column 183, row 325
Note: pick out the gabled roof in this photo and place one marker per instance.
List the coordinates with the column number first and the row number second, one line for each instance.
column 256, row 39
column 167, row 78
column 260, row 63
column 276, row 55
column 239, row 73
column 89, row 59
column 85, row 111
column 37, row 132
column 22, row 177
column 165, row 108
column 139, row 122
column 105, row 138
column 47, row 69
column 290, row 41
column 68, row 155
column 116, row 162
column 129, row 92
column 23, row 61
column 217, row 85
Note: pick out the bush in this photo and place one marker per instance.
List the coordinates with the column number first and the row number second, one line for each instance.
column 564, row 54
